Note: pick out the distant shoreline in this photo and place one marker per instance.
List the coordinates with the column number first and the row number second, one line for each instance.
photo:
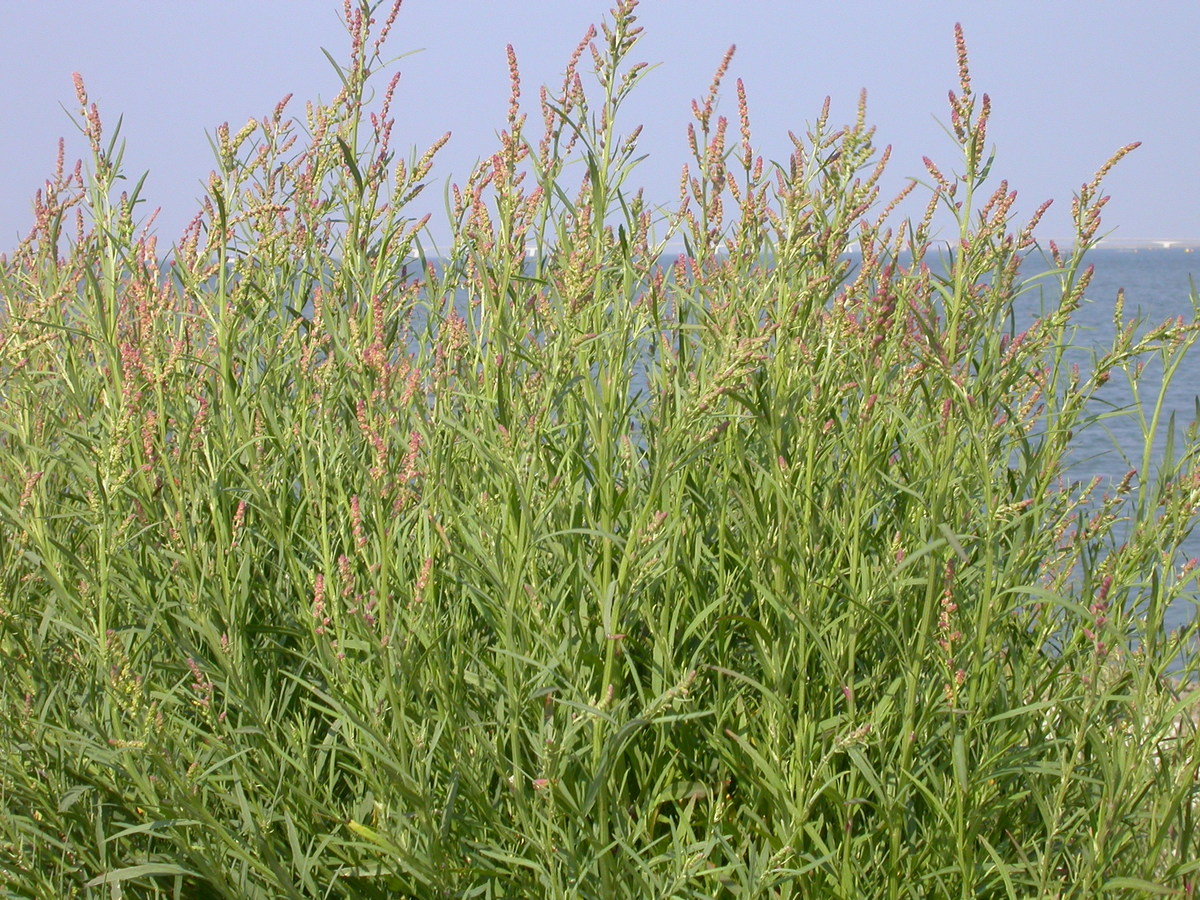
column 1148, row 244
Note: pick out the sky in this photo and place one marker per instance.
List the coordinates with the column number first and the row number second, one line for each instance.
column 1070, row 82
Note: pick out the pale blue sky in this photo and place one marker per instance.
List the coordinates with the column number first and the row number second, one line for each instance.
column 1070, row 82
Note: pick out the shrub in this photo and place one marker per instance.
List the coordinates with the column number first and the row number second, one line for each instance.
column 552, row 566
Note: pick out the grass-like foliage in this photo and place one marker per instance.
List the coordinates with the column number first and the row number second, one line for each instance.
column 555, row 566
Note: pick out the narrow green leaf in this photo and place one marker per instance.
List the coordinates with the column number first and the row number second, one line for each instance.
column 351, row 163
column 147, row 870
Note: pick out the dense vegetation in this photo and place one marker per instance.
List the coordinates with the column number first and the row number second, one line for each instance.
column 555, row 566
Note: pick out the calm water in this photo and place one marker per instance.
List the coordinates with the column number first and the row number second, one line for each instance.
column 1157, row 286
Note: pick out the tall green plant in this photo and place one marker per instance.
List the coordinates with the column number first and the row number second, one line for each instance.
column 551, row 566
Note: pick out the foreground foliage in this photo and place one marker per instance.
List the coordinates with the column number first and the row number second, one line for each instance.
column 553, row 566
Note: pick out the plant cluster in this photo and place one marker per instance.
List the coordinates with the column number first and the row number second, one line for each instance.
column 557, row 566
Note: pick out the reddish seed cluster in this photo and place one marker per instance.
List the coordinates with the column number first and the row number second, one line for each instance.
column 31, row 482
column 318, row 605
column 356, row 522
column 202, row 686
column 422, row 582
column 239, row 519
column 1099, row 613
column 949, row 636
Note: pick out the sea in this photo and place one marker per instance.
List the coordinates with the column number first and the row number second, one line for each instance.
column 1159, row 283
